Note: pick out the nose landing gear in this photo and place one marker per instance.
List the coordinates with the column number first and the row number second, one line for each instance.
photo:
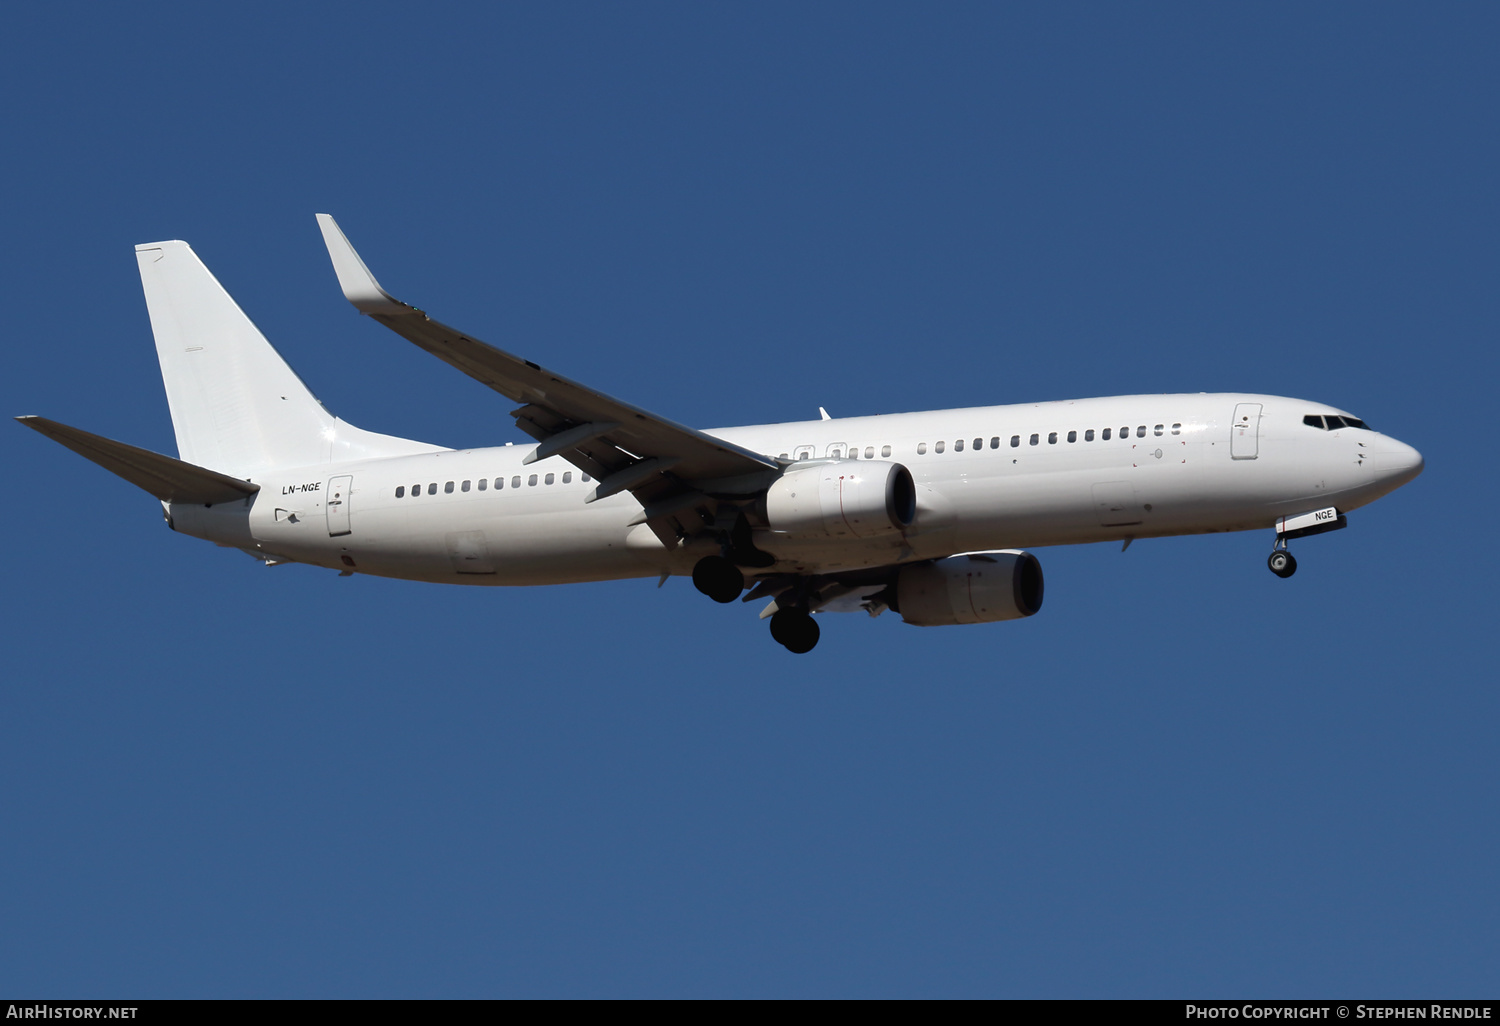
column 1303, row 525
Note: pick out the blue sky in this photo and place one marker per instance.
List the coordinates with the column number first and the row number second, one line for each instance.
column 1185, row 777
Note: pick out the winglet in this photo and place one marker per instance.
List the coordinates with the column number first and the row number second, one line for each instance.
column 359, row 285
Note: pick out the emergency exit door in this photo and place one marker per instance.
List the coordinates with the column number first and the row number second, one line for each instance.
column 337, row 504
column 1244, row 434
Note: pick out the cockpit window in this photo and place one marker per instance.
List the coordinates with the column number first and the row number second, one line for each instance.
column 1332, row 422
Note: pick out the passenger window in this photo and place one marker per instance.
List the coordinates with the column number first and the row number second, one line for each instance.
column 885, row 450
column 1035, row 439
column 400, row 491
column 484, row 483
column 1158, row 430
column 432, row 488
column 567, row 477
column 515, row 482
column 499, row 483
column 921, row 448
column 854, row 452
column 1140, row 432
column 869, row 452
column 979, row 443
column 958, row 446
column 416, row 490
column 550, row 478
column 585, row 477
column 784, row 456
column 531, row 481
column 464, row 487
column 1176, row 429
column 1088, row 436
column 1072, row 436
column 1104, row 435
column 1052, row 438
column 1015, row 441
column 938, row 447
column 995, row 442
column 448, row 488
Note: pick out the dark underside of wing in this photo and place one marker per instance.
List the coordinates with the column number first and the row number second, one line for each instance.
column 677, row 473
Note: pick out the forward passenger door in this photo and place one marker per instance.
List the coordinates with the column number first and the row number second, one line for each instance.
column 1244, row 433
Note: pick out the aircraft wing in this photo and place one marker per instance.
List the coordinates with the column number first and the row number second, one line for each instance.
column 168, row 479
column 667, row 466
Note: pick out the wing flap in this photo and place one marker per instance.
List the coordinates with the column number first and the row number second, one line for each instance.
column 168, row 479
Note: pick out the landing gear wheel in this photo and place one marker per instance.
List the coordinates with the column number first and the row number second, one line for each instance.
column 718, row 578
column 797, row 632
column 1282, row 563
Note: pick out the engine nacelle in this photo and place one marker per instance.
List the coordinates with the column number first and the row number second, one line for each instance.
column 842, row 499
column 977, row 587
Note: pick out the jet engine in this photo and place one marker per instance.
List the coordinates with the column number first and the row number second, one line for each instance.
column 977, row 587
column 842, row 499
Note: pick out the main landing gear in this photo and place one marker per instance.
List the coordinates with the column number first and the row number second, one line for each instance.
column 718, row 578
column 791, row 627
column 795, row 630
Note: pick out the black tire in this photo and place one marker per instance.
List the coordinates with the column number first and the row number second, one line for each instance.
column 1282, row 563
column 796, row 632
column 718, row 578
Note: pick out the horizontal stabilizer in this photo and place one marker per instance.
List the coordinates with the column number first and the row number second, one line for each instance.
column 164, row 477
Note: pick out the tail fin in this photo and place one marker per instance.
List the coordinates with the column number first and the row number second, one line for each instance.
column 236, row 405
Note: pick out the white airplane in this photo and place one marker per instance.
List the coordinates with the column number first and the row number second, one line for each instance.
column 926, row 514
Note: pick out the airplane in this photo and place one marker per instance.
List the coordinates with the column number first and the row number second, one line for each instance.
column 929, row 515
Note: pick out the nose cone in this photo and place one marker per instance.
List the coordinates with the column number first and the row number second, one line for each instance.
column 1396, row 462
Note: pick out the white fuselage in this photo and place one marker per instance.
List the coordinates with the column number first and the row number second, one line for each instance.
column 1099, row 470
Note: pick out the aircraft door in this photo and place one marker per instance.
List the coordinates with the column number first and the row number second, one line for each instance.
column 803, row 452
column 337, row 504
column 1244, row 433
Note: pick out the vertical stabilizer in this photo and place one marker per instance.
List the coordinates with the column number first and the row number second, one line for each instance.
column 236, row 405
